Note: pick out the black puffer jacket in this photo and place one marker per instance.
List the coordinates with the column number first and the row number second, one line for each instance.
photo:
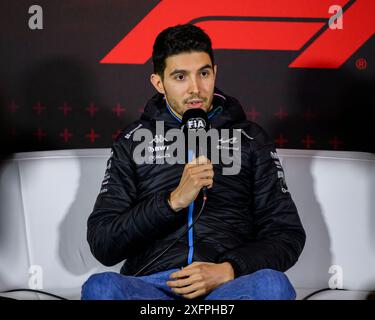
column 250, row 219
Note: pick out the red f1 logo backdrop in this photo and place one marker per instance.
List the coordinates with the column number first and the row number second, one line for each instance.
column 299, row 25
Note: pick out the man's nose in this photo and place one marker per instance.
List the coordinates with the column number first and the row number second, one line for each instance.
column 194, row 86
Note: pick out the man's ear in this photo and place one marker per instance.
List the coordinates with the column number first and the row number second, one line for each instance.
column 157, row 83
column 215, row 69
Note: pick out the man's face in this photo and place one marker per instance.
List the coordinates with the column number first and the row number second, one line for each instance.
column 189, row 80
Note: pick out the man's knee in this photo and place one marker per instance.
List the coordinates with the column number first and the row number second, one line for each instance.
column 99, row 286
column 273, row 285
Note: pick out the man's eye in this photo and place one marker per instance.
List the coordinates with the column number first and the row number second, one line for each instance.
column 180, row 77
column 205, row 73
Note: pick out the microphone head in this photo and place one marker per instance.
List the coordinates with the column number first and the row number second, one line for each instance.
column 195, row 119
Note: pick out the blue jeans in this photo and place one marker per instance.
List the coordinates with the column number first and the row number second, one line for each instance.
column 265, row 284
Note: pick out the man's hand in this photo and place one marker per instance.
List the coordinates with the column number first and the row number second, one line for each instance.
column 199, row 278
column 197, row 174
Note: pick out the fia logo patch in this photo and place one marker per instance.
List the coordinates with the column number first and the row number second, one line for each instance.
column 196, row 124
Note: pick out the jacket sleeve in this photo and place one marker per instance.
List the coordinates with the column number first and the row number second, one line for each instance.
column 279, row 236
column 119, row 224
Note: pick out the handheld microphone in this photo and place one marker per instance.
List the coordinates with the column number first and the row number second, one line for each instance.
column 194, row 120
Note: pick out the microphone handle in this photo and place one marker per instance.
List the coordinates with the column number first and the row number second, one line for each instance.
column 204, row 189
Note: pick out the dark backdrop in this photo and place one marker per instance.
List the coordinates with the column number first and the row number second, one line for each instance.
column 59, row 88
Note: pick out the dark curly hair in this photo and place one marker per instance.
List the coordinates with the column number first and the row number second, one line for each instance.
column 179, row 39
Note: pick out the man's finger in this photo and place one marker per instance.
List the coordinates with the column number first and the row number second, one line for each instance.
column 194, row 264
column 200, row 160
column 194, row 294
column 186, row 272
column 189, row 289
column 184, row 282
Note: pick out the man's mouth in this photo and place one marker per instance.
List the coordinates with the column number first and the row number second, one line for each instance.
column 195, row 104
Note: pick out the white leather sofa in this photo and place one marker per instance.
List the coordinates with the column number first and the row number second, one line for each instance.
column 46, row 197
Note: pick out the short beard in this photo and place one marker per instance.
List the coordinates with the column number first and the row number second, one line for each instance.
column 173, row 103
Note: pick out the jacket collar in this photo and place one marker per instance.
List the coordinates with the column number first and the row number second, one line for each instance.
column 225, row 109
